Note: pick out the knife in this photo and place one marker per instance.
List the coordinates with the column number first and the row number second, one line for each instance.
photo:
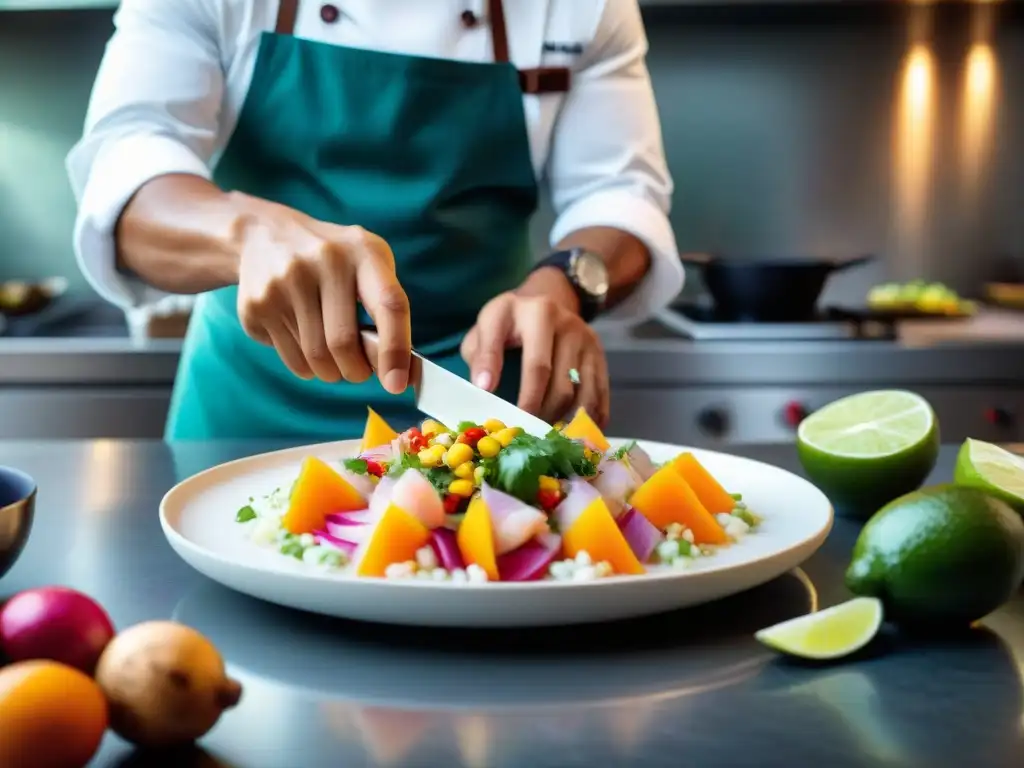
column 442, row 395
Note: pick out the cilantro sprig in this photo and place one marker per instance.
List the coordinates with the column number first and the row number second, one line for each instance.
column 356, row 466
column 518, row 468
column 623, row 450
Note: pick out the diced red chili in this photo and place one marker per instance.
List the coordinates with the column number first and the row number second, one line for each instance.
column 548, row 498
column 374, row 468
column 451, row 503
column 472, row 436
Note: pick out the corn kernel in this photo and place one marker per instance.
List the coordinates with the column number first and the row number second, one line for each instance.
column 465, row 470
column 488, row 447
column 431, row 457
column 478, row 475
column 506, row 436
column 463, row 488
column 492, row 426
column 430, row 426
column 458, row 454
column 558, row 426
column 549, row 484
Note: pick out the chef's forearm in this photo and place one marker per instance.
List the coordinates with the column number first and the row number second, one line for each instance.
column 179, row 233
column 626, row 258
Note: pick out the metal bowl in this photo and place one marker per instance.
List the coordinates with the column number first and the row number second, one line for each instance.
column 17, row 506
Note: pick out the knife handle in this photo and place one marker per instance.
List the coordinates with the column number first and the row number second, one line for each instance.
column 370, row 340
column 370, row 346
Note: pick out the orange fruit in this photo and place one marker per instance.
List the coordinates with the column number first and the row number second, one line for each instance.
column 51, row 716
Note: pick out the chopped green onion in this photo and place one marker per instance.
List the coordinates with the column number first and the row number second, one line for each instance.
column 245, row 514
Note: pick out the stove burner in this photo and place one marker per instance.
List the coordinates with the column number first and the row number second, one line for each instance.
column 706, row 314
column 701, row 322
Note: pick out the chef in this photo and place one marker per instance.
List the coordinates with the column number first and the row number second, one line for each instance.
column 307, row 167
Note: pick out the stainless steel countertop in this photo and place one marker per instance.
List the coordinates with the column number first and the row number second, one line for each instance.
column 690, row 688
column 649, row 355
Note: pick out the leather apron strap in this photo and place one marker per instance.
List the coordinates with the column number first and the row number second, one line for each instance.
column 535, row 80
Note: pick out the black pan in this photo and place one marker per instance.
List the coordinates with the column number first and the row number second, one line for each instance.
column 771, row 290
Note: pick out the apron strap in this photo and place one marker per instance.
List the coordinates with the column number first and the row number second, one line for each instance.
column 534, row 81
column 499, row 34
column 287, row 10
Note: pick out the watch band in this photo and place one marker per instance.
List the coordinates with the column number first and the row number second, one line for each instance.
column 591, row 302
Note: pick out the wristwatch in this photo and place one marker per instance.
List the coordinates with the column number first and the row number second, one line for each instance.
column 586, row 273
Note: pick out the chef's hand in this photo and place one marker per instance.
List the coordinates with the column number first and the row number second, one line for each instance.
column 542, row 318
column 299, row 283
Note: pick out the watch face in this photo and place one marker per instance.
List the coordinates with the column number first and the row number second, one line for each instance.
column 591, row 273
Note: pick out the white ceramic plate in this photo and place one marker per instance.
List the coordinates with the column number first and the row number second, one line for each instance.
column 198, row 518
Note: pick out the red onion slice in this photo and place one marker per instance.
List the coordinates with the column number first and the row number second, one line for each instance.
column 446, row 546
column 642, row 537
column 329, row 540
column 532, row 560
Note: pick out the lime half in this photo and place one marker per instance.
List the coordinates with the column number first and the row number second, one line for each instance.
column 867, row 449
column 829, row 634
column 991, row 469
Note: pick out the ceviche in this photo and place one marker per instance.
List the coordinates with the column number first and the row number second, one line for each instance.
column 488, row 502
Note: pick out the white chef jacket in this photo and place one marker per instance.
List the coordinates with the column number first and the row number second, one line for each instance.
column 176, row 72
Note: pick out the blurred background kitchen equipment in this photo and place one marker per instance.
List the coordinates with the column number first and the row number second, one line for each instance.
column 1005, row 295
column 17, row 506
column 30, row 309
column 761, row 289
column 19, row 298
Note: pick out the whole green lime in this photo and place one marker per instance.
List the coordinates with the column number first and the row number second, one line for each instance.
column 867, row 449
column 945, row 555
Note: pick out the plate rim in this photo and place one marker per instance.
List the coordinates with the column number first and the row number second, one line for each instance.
column 180, row 542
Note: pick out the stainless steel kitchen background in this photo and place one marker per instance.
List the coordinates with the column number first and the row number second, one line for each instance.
column 801, row 128
column 810, row 128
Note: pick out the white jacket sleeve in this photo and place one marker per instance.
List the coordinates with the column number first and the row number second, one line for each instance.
column 607, row 163
column 154, row 111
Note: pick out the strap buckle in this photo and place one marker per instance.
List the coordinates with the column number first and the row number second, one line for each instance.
column 545, row 80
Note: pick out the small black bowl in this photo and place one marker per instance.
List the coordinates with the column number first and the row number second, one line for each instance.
column 17, row 507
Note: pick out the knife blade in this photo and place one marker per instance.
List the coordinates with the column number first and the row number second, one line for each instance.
column 450, row 399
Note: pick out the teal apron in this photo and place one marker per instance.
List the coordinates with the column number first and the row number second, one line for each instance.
column 431, row 154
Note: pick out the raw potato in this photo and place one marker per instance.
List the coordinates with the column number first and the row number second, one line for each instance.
column 165, row 684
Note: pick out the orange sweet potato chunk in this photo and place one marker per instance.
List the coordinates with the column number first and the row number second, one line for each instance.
column 476, row 538
column 318, row 492
column 710, row 492
column 582, row 427
column 377, row 432
column 666, row 498
column 395, row 539
column 596, row 533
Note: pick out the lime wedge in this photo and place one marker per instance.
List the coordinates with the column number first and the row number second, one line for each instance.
column 829, row 634
column 991, row 469
column 865, row 450
column 869, row 425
